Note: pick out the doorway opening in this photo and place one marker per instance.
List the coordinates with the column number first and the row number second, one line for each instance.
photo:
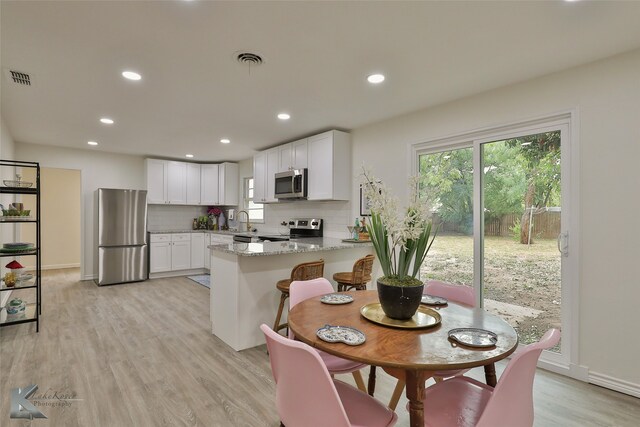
column 61, row 194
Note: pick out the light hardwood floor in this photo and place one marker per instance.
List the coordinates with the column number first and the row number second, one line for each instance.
column 142, row 354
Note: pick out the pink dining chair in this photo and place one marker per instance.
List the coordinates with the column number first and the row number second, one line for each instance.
column 301, row 290
column 463, row 401
column 307, row 396
column 456, row 293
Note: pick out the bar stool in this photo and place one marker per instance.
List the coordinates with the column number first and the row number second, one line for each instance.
column 304, row 271
column 357, row 278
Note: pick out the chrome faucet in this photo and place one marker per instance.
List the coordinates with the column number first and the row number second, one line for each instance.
column 248, row 223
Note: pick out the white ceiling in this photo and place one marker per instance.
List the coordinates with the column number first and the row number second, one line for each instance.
column 317, row 55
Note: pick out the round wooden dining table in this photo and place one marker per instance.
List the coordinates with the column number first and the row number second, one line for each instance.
column 419, row 352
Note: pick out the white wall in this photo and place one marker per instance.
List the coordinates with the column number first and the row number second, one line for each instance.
column 7, row 231
column 98, row 170
column 607, row 97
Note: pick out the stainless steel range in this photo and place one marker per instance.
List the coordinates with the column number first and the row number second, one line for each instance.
column 299, row 228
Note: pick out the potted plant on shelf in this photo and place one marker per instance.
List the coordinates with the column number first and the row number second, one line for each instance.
column 401, row 243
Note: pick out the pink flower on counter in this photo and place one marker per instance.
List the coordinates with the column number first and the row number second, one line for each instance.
column 214, row 210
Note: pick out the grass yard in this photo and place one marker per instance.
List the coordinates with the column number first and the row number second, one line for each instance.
column 516, row 274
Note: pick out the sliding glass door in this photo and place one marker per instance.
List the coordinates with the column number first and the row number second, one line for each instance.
column 498, row 203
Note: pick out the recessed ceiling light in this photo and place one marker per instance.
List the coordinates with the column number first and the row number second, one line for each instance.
column 375, row 78
column 284, row 116
column 225, row 140
column 188, row 155
column 106, row 121
column 131, row 75
column 92, row 143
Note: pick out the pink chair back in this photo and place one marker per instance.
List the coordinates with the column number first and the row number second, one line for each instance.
column 512, row 401
column 301, row 290
column 457, row 293
column 305, row 393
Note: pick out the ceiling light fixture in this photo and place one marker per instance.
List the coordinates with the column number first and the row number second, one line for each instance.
column 189, row 156
column 225, row 140
column 106, row 121
column 92, row 143
column 284, row 116
column 375, row 78
column 131, row 75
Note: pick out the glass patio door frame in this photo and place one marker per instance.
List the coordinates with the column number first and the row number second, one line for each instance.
column 565, row 362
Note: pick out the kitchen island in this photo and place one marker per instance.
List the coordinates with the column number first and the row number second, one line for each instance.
column 244, row 275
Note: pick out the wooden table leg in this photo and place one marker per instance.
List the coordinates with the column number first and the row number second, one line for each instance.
column 415, row 394
column 371, row 385
column 490, row 374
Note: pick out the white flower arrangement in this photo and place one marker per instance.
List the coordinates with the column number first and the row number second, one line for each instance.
column 401, row 242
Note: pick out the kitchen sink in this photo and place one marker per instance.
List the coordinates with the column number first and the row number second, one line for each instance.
column 244, row 238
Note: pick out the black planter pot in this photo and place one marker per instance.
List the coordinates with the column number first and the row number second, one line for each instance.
column 399, row 302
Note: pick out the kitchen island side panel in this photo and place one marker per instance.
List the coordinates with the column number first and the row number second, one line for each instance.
column 244, row 297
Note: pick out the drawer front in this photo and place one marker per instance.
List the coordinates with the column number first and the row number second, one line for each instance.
column 154, row 238
column 181, row 237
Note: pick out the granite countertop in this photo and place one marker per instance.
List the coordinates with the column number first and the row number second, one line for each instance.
column 172, row 231
column 293, row 246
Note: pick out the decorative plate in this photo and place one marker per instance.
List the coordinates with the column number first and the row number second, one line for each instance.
column 473, row 337
column 17, row 251
column 17, row 245
column 336, row 299
column 425, row 317
column 24, row 277
column 17, row 184
column 433, row 300
column 344, row 334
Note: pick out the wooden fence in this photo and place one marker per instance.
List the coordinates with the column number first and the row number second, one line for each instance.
column 546, row 225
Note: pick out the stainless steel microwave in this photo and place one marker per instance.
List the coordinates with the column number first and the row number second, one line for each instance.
column 291, row 184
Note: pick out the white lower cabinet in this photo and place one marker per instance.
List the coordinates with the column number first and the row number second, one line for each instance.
column 197, row 250
column 160, row 253
column 180, row 251
column 207, row 251
column 170, row 252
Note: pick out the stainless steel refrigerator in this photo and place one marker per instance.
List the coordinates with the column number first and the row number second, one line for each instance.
column 122, row 236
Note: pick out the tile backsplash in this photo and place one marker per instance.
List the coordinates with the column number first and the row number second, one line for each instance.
column 335, row 215
column 172, row 217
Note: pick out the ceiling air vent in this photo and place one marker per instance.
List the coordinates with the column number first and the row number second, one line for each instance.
column 19, row 77
column 248, row 58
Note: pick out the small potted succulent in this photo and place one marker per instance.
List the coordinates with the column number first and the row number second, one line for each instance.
column 401, row 243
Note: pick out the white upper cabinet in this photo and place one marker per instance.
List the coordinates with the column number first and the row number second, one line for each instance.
column 209, row 185
column 299, row 151
column 259, row 177
column 265, row 166
column 184, row 183
column 329, row 164
column 284, row 157
column 177, row 183
column 228, row 181
column 193, row 184
column 292, row 155
column 156, row 181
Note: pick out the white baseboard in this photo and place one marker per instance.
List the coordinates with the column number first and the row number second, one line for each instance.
column 577, row 372
column 616, row 384
column 53, row 266
column 179, row 273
